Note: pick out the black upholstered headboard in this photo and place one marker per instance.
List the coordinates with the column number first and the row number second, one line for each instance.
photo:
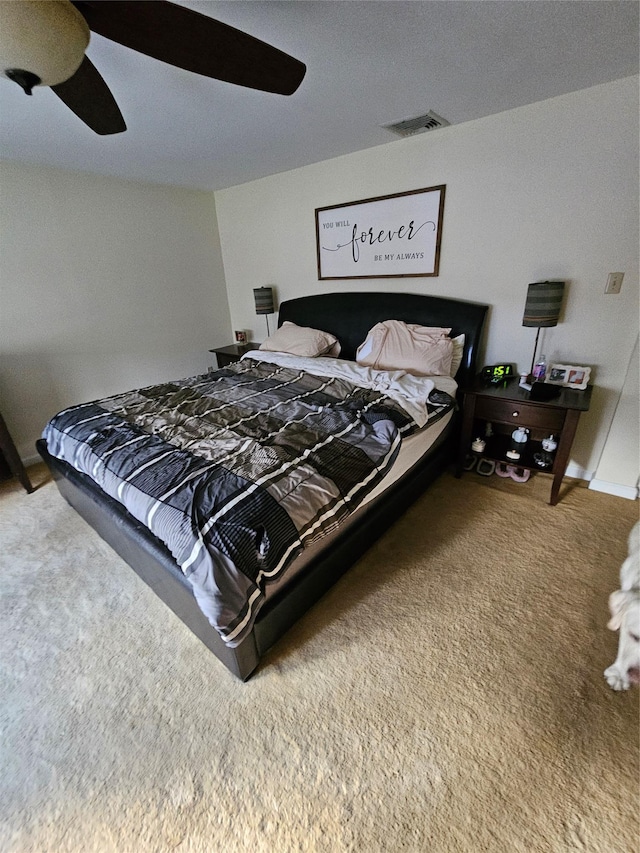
column 349, row 316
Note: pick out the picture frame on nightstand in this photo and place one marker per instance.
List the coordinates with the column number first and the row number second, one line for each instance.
column 569, row 376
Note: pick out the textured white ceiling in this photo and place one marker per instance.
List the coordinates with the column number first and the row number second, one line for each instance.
column 368, row 64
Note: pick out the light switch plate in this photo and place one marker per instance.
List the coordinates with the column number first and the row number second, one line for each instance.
column 614, row 282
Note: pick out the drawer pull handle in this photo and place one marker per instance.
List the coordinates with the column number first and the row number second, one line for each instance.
column 516, row 414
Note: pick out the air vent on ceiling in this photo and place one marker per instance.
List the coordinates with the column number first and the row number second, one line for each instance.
column 419, row 124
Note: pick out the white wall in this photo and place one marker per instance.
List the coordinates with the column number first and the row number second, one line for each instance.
column 617, row 471
column 544, row 191
column 106, row 285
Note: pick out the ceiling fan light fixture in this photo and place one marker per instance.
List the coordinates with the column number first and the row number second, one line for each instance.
column 43, row 43
column 44, row 39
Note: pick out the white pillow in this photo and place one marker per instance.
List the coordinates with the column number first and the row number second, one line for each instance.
column 419, row 350
column 458, row 351
column 302, row 341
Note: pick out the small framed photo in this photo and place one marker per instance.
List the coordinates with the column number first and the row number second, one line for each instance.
column 241, row 336
column 569, row 376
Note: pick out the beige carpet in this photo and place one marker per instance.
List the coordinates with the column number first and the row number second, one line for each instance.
column 446, row 695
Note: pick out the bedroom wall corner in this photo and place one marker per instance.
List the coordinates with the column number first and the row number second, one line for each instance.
column 618, row 471
column 107, row 285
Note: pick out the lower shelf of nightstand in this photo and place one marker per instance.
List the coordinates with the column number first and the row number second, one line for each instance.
column 497, row 446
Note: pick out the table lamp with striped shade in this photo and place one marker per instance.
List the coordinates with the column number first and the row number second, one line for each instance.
column 263, row 297
column 542, row 308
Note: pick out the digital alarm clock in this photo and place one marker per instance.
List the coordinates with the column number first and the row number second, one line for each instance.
column 495, row 373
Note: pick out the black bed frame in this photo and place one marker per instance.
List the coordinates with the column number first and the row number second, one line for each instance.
column 348, row 316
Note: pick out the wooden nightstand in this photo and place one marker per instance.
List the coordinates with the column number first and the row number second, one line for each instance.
column 233, row 352
column 507, row 406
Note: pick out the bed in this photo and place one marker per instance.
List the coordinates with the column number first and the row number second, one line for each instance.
column 301, row 569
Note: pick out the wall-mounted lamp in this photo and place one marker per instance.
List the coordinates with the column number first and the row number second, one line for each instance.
column 263, row 297
column 542, row 308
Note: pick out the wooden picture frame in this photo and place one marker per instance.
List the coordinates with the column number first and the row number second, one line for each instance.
column 569, row 376
column 392, row 236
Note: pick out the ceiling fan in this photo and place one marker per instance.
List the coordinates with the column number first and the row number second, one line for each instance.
column 43, row 43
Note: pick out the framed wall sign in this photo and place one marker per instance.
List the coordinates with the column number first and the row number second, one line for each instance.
column 392, row 236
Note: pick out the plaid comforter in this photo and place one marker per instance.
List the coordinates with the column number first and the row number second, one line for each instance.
column 236, row 471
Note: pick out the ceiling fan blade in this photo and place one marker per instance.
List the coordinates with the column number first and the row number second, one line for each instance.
column 194, row 42
column 88, row 96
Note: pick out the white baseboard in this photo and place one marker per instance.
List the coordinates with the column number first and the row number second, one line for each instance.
column 31, row 460
column 616, row 489
column 620, row 491
column 578, row 472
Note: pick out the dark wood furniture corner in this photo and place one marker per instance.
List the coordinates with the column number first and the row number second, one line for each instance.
column 9, row 456
column 234, row 352
column 507, row 406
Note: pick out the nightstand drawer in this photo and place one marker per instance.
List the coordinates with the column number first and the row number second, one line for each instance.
column 507, row 412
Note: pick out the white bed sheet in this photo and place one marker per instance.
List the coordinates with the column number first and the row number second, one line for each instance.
column 410, row 392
